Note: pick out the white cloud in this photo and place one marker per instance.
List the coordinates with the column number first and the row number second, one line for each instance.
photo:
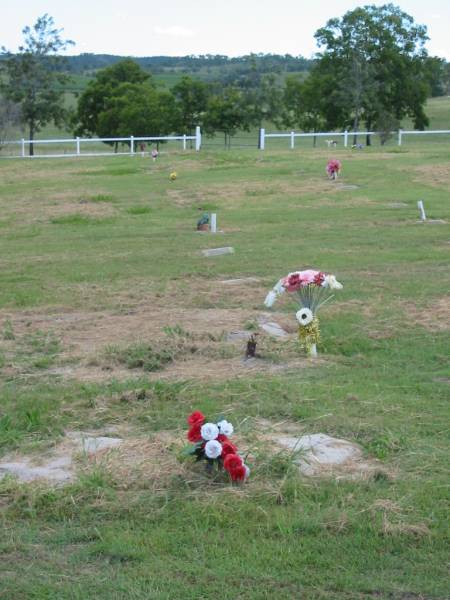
column 175, row 31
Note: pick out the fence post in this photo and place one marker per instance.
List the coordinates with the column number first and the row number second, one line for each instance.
column 131, row 144
column 262, row 136
column 22, row 141
column 198, row 138
column 184, row 142
column 400, row 137
column 292, row 140
column 78, row 145
column 345, row 138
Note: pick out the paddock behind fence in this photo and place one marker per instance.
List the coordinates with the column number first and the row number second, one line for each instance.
column 72, row 147
column 119, row 146
column 346, row 138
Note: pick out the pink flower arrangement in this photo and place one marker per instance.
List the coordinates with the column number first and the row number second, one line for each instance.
column 299, row 279
column 309, row 285
column 333, row 168
column 312, row 288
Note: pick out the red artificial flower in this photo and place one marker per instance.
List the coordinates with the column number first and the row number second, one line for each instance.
column 194, row 434
column 222, row 438
column 228, row 448
column 232, row 462
column 319, row 278
column 196, row 418
column 293, row 282
column 238, row 474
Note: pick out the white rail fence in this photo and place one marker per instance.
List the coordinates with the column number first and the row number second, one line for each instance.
column 331, row 135
column 76, row 145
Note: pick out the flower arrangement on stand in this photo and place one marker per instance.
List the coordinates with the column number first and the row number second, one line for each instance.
column 203, row 222
column 210, row 442
column 313, row 290
column 173, row 176
column 333, row 168
column 154, row 154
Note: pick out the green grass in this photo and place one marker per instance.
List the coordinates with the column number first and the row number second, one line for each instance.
column 384, row 381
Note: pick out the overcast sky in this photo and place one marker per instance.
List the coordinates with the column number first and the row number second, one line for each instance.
column 179, row 27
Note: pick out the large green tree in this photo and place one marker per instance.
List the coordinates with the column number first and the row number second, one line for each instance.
column 228, row 112
column 99, row 92
column 376, row 59
column 123, row 100
column 33, row 79
column 191, row 96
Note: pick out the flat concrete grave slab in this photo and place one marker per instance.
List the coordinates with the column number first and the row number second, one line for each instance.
column 270, row 327
column 274, row 329
column 218, row 251
column 57, row 467
column 240, row 281
column 347, row 187
column 397, row 205
column 433, row 222
column 320, row 454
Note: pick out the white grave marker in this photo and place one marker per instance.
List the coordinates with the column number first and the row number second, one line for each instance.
column 421, row 210
column 213, row 223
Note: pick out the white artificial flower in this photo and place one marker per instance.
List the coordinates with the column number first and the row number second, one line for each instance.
column 209, row 431
column 270, row 299
column 277, row 290
column 304, row 316
column 213, row 449
column 225, row 427
column 247, row 472
column 332, row 283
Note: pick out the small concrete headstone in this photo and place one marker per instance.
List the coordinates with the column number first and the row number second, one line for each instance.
column 91, row 445
column 238, row 336
column 218, row 251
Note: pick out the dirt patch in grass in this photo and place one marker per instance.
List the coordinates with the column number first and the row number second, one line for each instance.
column 185, row 197
column 434, row 175
column 159, row 337
column 57, row 206
column 434, row 317
column 143, row 463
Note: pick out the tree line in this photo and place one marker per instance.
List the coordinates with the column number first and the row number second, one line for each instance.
column 372, row 70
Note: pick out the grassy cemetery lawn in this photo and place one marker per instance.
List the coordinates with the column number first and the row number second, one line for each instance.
column 113, row 323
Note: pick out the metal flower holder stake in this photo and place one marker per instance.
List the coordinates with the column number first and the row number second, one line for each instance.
column 312, row 289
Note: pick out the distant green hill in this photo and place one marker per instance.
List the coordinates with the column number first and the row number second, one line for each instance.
column 168, row 70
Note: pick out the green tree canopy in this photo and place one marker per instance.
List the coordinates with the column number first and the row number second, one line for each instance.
column 375, row 58
column 98, row 95
column 33, row 79
column 191, row 98
column 137, row 109
column 228, row 112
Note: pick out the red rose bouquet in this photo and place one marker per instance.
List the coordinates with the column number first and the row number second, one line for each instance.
column 210, row 442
